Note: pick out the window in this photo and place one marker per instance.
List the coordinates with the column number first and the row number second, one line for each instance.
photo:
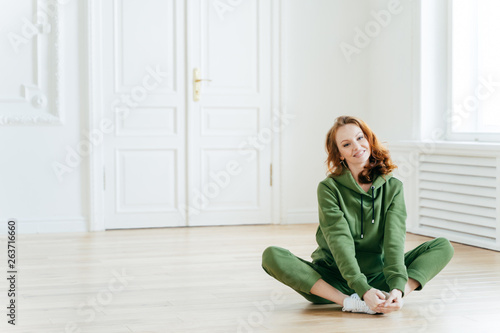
column 475, row 70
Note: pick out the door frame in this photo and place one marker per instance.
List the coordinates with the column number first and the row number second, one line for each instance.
column 96, row 176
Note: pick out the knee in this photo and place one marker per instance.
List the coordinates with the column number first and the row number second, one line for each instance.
column 446, row 247
column 270, row 255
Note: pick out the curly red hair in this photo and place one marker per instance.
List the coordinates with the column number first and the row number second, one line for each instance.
column 379, row 162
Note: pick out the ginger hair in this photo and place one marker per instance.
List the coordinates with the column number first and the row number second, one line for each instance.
column 379, row 161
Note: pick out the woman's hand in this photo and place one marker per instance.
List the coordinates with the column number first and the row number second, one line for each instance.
column 374, row 298
column 393, row 303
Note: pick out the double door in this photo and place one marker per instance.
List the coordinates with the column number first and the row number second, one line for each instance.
column 186, row 91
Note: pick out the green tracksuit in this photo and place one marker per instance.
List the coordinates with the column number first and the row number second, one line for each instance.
column 360, row 238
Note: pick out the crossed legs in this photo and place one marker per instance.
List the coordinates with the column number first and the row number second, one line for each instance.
column 423, row 263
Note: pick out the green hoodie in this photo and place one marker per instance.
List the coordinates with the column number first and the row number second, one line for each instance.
column 359, row 249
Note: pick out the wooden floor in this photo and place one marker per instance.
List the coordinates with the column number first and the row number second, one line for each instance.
column 209, row 280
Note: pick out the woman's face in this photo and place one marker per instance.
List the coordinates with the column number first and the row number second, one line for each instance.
column 352, row 145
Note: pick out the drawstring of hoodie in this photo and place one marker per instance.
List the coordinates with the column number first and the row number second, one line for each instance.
column 361, row 215
column 373, row 211
column 373, row 207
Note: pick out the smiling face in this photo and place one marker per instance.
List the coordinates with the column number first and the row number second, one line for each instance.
column 353, row 146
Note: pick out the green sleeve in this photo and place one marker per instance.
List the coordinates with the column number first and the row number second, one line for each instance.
column 394, row 243
column 339, row 239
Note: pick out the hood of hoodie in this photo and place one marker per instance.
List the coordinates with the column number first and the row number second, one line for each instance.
column 346, row 179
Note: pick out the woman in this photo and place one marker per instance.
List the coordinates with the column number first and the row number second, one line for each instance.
column 361, row 233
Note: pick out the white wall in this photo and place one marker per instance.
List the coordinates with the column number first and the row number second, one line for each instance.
column 30, row 190
column 391, row 75
column 408, row 86
column 408, row 78
column 319, row 85
column 379, row 84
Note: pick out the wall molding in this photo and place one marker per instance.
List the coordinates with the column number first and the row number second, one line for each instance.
column 44, row 119
column 43, row 100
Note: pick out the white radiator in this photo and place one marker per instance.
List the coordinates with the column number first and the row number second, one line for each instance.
column 457, row 197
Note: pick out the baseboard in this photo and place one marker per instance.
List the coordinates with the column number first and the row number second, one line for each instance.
column 46, row 225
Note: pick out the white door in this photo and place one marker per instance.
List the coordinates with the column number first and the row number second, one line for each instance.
column 169, row 154
column 229, row 127
column 144, row 97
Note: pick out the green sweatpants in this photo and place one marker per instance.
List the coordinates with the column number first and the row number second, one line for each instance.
column 422, row 264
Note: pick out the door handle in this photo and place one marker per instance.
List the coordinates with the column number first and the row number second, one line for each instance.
column 197, row 84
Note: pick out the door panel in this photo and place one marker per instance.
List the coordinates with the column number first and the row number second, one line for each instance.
column 144, row 35
column 146, row 180
column 229, row 48
column 229, row 127
column 144, row 96
column 228, row 190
